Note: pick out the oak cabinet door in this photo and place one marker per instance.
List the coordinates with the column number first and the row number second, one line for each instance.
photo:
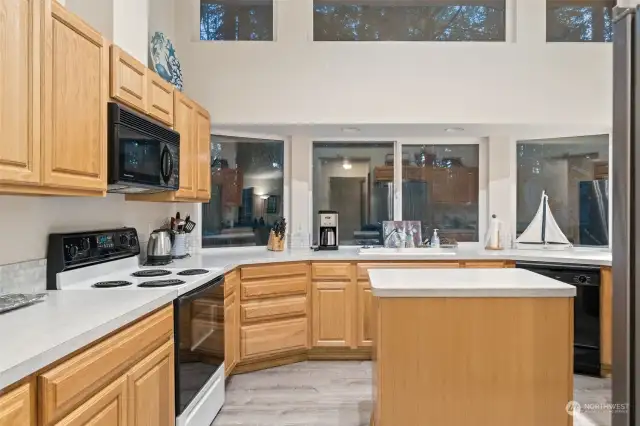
column 151, row 389
column 107, row 408
column 203, row 152
column 19, row 91
column 16, row 407
column 75, row 108
column 160, row 98
column 231, row 334
column 128, row 80
column 332, row 314
column 365, row 303
column 184, row 124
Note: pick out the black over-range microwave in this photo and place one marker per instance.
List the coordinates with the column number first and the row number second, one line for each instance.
column 144, row 155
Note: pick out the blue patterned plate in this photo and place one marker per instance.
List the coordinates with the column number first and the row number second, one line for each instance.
column 165, row 62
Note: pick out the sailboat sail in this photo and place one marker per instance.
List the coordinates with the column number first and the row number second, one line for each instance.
column 543, row 231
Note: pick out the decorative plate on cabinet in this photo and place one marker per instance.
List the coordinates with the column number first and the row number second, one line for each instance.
column 164, row 60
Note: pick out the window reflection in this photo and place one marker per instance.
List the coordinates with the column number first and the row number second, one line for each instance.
column 247, row 186
column 579, row 21
column 236, row 19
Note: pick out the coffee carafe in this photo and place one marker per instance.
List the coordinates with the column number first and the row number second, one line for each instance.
column 328, row 232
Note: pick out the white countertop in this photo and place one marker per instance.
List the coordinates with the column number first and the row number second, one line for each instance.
column 33, row 337
column 465, row 283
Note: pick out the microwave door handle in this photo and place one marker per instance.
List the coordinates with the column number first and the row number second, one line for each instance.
column 166, row 161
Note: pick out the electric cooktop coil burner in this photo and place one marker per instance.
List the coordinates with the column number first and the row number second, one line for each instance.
column 146, row 273
column 161, row 283
column 111, row 284
column 193, row 272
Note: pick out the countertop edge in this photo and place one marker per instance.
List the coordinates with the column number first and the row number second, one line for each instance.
column 476, row 294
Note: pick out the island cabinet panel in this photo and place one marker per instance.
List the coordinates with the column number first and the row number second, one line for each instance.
column 109, row 407
column 273, row 338
column 151, row 389
column 231, row 333
column 128, row 80
column 332, row 314
column 75, row 93
column 17, row 407
column 65, row 386
column 364, row 316
column 19, row 94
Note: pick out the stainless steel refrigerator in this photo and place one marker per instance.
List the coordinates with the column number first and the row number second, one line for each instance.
column 625, row 237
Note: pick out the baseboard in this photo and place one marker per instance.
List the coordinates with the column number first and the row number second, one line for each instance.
column 275, row 361
column 605, row 370
column 339, row 354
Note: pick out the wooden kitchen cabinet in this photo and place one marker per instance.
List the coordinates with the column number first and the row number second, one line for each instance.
column 606, row 320
column 109, row 407
column 53, row 102
column 150, row 388
column 184, row 113
column 76, row 75
column 203, row 152
column 273, row 338
column 128, row 80
column 17, row 407
column 19, row 101
column 160, row 98
column 364, row 316
column 231, row 333
column 332, row 314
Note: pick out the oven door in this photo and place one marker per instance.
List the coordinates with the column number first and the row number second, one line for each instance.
column 143, row 160
column 199, row 338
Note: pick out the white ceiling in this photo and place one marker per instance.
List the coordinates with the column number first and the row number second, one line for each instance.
column 394, row 131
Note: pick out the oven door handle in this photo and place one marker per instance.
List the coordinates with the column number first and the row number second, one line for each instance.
column 194, row 294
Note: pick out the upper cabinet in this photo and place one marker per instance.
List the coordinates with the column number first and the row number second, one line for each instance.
column 138, row 87
column 128, row 79
column 53, row 96
column 203, row 152
column 185, row 114
column 19, row 101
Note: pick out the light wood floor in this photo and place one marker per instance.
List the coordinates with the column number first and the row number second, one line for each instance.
column 337, row 393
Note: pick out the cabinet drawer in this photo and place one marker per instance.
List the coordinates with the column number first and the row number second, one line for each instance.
column 364, row 267
column 273, row 309
column 281, row 286
column 65, row 386
column 279, row 270
column 273, row 337
column 485, row 264
column 231, row 283
column 331, row 271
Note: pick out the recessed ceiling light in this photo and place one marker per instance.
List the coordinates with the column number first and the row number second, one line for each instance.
column 346, row 164
column 350, row 130
column 265, row 196
column 454, row 129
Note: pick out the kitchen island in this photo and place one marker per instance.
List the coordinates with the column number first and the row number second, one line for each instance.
column 455, row 347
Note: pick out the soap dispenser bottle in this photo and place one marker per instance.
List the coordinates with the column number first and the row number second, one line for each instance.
column 435, row 240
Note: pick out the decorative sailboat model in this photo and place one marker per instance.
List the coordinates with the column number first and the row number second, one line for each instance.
column 543, row 233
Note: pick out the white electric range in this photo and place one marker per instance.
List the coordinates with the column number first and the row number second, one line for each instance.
column 108, row 261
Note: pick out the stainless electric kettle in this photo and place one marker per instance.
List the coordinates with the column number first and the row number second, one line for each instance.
column 159, row 247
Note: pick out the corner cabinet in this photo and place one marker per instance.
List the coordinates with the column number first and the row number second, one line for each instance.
column 52, row 102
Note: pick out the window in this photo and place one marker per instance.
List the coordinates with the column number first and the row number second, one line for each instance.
column 575, row 174
column 440, row 188
column 247, row 185
column 356, row 180
column 409, row 20
column 236, row 19
column 579, row 20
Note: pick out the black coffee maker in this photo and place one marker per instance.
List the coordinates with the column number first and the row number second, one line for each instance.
column 328, row 232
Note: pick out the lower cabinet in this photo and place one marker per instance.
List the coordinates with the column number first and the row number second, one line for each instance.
column 231, row 333
column 109, row 407
column 273, row 338
column 364, row 316
column 16, row 407
column 332, row 313
column 150, row 387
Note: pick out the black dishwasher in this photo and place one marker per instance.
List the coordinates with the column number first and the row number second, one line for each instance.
column 586, row 321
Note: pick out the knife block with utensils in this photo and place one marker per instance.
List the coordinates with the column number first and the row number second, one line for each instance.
column 275, row 243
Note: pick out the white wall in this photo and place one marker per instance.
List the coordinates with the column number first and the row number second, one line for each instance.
column 97, row 13
column 161, row 18
column 26, row 221
column 294, row 80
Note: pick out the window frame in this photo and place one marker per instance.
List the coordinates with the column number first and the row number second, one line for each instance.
column 483, row 176
column 197, row 214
